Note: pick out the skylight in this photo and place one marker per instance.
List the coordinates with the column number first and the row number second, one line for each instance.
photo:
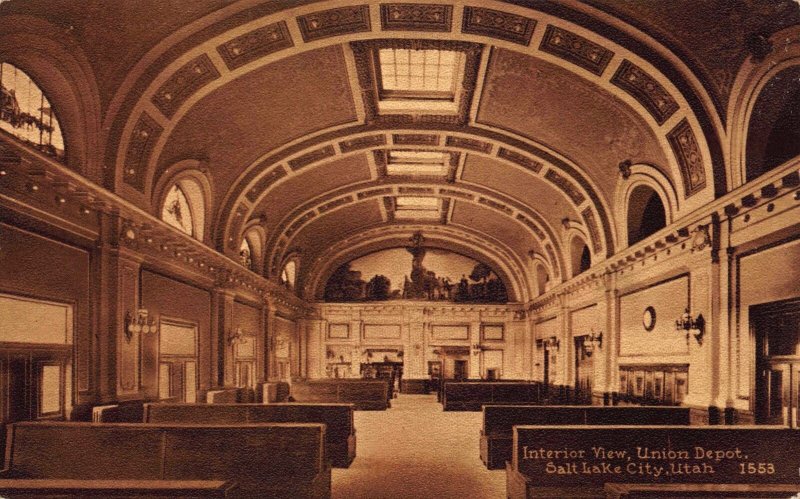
column 417, row 207
column 423, row 80
column 416, row 163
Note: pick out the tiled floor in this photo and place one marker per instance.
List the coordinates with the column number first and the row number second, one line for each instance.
column 416, row 450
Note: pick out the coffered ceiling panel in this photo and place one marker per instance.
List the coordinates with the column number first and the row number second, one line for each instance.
column 576, row 118
column 309, row 184
column 490, row 222
column 325, row 230
column 527, row 188
column 262, row 110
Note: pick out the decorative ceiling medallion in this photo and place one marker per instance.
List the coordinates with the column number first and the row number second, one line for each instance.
column 576, row 49
column 594, row 232
column 180, row 86
column 415, row 139
column 520, row 159
column 362, row 143
column 687, row 151
column 255, row 44
column 334, row 22
column 646, row 90
column 265, row 183
column 497, row 24
column 471, row 144
column 565, row 185
column 531, row 225
column 312, row 157
column 143, row 140
column 416, row 17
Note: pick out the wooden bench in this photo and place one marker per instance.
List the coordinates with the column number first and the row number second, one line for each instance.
column 498, row 421
column 472, row 395
column 577, row 461
column 365, row 395
column 701, row 490
column 58, row 488
column 340, row 434
column 272, row 392
column 266, row 460
column 126, row 412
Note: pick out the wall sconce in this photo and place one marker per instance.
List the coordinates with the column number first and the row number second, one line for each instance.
column 477, row 348
column 686, row 323
column 552, row 343
column 235, row 337
column 141, row 323
column 593, row 340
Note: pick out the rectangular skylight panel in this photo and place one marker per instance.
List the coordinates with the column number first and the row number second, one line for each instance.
column 418, row 202
column 414, row 169
column 417, row 214
column 418, row 70
column 417, row 157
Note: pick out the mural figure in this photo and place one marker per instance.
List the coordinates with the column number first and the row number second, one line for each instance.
column 478, row 283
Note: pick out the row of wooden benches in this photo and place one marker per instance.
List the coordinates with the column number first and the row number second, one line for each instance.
column 185, row 450
column 616, row 452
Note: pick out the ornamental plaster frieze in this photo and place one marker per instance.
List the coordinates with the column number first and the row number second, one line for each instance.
column 134, row 230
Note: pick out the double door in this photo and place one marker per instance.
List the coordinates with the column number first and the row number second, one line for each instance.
column 777, row 333
column 779, row 392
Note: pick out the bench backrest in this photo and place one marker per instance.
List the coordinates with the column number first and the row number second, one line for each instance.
column 491, row 391
column 500, row 419
column 589, row 456
column 250, row 454
column 338, row 418
column 340, row 391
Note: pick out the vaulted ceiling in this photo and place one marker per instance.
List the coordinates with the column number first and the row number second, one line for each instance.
column 278, row 104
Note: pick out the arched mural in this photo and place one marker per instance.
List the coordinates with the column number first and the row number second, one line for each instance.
column 415, row 273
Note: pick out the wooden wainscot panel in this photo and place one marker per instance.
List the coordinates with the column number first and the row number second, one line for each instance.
column 578, row 461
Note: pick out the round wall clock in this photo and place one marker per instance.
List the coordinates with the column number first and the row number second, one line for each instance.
column 649, row 318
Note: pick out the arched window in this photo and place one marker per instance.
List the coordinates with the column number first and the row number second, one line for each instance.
column 580, row 256
column 773, row 135
column 25, row 112
column 646, row 214
column 289, row 274
column 246, row 254
column 177, row 211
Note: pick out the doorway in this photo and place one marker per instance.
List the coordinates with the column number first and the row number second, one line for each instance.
column 583, row 371
column 776, row 327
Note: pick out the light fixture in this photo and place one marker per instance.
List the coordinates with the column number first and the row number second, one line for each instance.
column 141, row 323
column 686, row 323
column 593, row 340
column 235, row 337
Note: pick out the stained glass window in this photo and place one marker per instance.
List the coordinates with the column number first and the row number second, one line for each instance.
column 176, row 210
column 26, row 113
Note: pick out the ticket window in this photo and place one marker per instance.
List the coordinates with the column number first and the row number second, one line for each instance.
column 244, row 354
column 177, row 366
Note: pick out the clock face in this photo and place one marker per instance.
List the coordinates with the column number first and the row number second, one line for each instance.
column 649, row 318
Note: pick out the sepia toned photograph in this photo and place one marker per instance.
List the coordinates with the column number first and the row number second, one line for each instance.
column 429, row 249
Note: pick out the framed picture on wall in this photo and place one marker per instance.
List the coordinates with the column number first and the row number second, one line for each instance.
column 492, row 332
column 338, row 331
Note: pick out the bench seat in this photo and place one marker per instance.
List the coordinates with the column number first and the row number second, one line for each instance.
column 704, row 490
column 274, row 460
column 58, row 488
column 340, row 434
column 365, row 395
column 472, row 395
